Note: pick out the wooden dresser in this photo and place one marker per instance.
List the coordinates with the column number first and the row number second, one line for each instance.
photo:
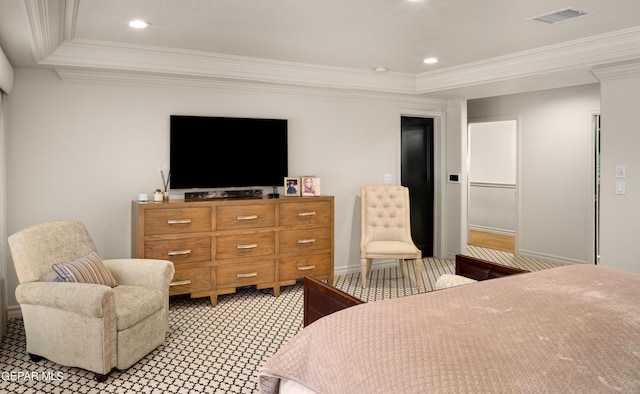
column 220, row 245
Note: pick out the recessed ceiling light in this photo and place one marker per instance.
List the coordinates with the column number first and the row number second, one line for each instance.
column 430, row 60
column 138, row 24
column 380, row 69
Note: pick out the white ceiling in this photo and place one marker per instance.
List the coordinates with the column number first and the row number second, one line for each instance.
column 485, row 47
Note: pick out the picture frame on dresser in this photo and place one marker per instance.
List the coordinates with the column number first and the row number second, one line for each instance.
column 292, row 186
column 310, row 186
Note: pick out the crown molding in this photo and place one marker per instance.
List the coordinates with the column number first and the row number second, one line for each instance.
column 90, row 54
column 580, row 55
column 70, row 18
column 108, row 77
column 46, row 22
column 624, row 71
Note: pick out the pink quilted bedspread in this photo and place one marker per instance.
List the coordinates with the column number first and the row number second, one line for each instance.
column 568, row 329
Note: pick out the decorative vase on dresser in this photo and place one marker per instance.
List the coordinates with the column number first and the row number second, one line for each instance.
column 217, row 246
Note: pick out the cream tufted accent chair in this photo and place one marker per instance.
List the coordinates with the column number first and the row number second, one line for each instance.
column 90, row 326
column 386, row 229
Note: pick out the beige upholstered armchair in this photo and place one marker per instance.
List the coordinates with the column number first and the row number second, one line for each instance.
column 82, row 324
column 386, row 229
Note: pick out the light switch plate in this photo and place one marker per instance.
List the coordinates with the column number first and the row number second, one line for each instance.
column 620, row 171
column 620, row 187
column 388, row 179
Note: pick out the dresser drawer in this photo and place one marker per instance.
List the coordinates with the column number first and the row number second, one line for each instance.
column 300, row 241
column 234, row 217
column 180, row 251
column 191, row 280
column 297, row 267
column 245, row 245
column 301, row 213
column 177, row 220
column 245, row 274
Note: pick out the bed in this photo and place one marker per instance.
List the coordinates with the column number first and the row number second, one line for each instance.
column 573, row 328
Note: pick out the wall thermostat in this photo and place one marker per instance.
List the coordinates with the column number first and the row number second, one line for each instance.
column 454, row 178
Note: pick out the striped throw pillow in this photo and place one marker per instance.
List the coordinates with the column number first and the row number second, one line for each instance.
column 87, row 269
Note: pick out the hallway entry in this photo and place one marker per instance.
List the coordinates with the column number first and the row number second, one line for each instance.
column 492, row 180
column 417, row 161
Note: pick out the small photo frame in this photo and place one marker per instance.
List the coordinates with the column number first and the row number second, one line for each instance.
column 292, row 186
column 310, row 186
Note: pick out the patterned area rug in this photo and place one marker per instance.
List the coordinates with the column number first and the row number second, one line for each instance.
column 219, row 349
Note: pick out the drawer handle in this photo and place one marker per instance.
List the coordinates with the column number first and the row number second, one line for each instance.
column 306, row 267
column 307, row 241
column 180, row 283
column 312, row 213
column 178, row 221
column 248, row 217
column 179, row 252
column 249, row 275
column 249, row 246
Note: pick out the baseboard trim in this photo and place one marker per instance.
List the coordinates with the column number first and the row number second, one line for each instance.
column 377, row 264
column 14, row 312
column 492, row 230
column 549, row 257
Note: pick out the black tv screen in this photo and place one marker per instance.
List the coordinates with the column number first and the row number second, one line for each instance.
column 221, row 152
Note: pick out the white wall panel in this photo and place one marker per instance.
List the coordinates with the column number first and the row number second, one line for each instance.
column 620, row 137
column 492, row 209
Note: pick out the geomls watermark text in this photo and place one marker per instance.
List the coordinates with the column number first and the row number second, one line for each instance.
column 15, row 376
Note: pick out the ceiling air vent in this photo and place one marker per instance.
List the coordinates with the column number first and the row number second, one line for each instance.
column 560, row 15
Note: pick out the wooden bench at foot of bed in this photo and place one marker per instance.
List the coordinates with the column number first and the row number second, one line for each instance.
column 321, row 299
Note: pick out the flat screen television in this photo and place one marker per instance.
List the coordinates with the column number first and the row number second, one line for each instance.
column 223, row 152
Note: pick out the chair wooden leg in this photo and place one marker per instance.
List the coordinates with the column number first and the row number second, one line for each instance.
column 403, row 267
column 366, row 270
column 418, row 265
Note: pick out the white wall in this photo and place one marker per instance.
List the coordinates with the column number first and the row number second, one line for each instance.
column 454, row 195
column 620, row 138
column 555, row 162
column 85, row 150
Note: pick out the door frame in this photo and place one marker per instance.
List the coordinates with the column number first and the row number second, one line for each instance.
column 596, row 129
column 438, row 168
column 518, row 204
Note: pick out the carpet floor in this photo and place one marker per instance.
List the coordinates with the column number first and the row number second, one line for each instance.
column 218, row 349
